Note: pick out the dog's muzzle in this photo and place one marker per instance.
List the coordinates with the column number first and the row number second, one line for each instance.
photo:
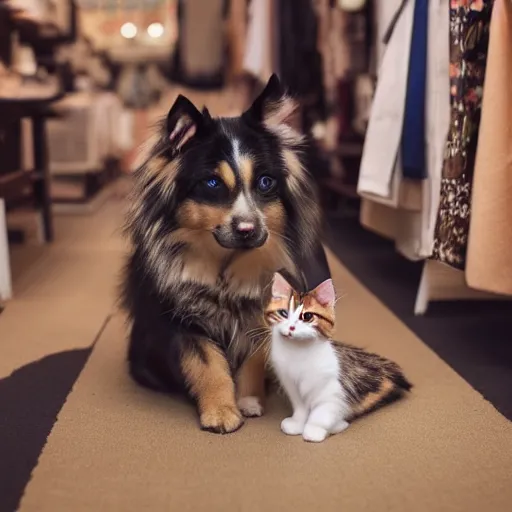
column 241, row 234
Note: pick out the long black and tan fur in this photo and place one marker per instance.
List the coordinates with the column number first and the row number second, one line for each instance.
column 218, row 206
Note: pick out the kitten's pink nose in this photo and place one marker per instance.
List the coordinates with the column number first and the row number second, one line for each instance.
column 292, row 328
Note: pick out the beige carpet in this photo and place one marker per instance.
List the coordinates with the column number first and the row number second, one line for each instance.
column 117, row 447
column 63, row 291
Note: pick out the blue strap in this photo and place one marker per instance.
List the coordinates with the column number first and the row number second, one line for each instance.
column 413, row 131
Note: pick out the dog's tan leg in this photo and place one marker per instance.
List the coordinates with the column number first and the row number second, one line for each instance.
column 251, row 385
column 210, row 382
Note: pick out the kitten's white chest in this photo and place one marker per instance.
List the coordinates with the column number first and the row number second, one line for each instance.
column 310, row 368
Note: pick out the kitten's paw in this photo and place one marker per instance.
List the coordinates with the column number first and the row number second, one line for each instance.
column 314, row 434
column 222, row 419
column 340, row 427
column 292, row 427
column 250, row 406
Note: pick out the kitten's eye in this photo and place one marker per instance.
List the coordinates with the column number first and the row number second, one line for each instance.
column 266, row 184
column 283, row 313
column 213, row 183
column 307, row 317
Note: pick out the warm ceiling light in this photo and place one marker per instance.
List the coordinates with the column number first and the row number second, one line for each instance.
column 129, row 30
column 155, row 30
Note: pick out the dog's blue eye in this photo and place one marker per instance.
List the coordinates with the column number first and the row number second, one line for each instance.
column 212, row 183
column 266, row 183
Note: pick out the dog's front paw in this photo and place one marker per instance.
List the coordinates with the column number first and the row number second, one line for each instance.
column 250, row 406
column 314, row 434
column 223, row 419
column 292, row 427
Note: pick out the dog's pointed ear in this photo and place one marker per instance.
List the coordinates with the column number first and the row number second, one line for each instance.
column 206, row 115
column 272, row 93
column 273, row 107
column 183, row 122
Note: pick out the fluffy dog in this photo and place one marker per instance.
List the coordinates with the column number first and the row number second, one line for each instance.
column 219, row 205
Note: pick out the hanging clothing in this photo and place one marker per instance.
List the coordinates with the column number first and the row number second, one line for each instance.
column 258, row 57
column 332, row 45
column 489, row 256
column 379, row 175
column 399, row 208
column 200, row 55
column 438, row 111
column 386, row 195
column 237, row 30
column 469, row 40
column 413, row 132
column 300, row 62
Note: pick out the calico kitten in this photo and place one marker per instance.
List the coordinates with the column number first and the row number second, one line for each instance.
column 328, row 383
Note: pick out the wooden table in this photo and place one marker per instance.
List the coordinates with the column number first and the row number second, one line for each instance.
column 12, row 110
column 37, row 109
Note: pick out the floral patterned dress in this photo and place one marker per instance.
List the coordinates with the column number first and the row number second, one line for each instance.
column 469, row 40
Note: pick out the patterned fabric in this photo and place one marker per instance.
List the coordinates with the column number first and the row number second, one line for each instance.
column 469, row 40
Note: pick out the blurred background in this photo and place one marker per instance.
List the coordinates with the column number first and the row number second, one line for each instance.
column 104, row 72
column 409, row 103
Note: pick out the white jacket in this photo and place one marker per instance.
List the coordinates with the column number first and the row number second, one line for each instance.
column 413, row 203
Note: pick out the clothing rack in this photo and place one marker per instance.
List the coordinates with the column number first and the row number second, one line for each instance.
column 430, row 227
column 440, row 283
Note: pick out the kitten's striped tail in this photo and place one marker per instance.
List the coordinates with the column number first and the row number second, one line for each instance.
column 401, row 381
column 392, row 388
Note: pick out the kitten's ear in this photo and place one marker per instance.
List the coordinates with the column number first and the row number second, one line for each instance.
column 325, row 294
column 281, row 288
column 272, row 107
column 183, row 122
